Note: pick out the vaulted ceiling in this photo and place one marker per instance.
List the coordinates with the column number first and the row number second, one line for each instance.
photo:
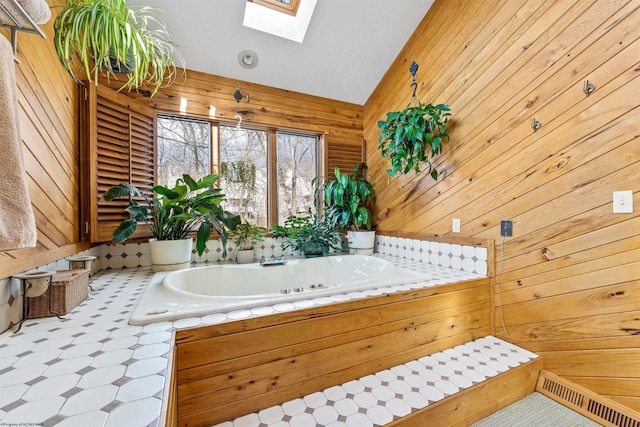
column 348, row 47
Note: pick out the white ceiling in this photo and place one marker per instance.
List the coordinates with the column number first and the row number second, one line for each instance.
column 348, row 47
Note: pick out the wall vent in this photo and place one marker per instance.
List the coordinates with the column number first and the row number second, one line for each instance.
column 590, row 404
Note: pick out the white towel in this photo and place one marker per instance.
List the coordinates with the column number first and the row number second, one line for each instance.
column 17, row 223
column 38, row 10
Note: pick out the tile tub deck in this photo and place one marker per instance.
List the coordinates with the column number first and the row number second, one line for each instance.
column 93, row 369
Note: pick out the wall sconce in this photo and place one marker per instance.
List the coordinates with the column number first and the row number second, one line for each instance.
column 535, row 124
column 238, row 95
column 588, row 87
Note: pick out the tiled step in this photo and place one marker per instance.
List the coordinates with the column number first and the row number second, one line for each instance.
column 455, row 386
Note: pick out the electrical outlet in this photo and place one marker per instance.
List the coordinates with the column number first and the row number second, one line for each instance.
column 455, row 225
column 623, row 201
column 506, row 228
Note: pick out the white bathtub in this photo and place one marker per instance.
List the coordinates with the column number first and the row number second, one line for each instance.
column 221, row 289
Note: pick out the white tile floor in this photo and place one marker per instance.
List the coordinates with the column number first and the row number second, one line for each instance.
column 93, row 369
column 90, row 369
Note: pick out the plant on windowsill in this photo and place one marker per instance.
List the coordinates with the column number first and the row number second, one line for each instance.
column 346, row 196
column 173, row 213
column 107, row 36
column 411, row 138
column 310, row 234
column 244, row 236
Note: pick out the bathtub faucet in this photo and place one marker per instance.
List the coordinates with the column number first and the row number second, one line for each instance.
column 265, row 262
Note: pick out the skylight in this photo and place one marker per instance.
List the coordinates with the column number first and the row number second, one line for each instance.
column 289, row 7
column 283, row 18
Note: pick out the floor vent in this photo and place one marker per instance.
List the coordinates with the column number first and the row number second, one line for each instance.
column 590, row 404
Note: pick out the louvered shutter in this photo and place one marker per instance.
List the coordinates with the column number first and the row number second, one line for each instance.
column 119, row 146
column 343, row 155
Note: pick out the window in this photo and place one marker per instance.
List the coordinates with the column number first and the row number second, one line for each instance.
column 184, row 146
column 254, row 165
column 297, row 167
column 243, row 172
column 266, row 173
column 289, row 20
column 289, row 7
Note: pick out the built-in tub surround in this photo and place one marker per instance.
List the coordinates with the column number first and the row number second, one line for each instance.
column 462, row 257
column 224, row 288
column 92, row 368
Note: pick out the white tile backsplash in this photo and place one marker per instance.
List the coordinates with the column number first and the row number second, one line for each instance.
column 471, row 259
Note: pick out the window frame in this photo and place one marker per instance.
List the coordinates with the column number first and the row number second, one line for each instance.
column 278, row 6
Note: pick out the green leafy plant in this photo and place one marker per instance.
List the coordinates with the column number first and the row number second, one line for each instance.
column 413, row 136
column 175, row 212
column 104, row 35
column 310, row 234
column 246, row 234
column 346, row 196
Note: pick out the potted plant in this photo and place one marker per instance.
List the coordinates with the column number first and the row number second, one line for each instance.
column 413, row 136
column 93, row 36
column 244, row 236
column 346, row 196
column 310, row 234
column 172, row 214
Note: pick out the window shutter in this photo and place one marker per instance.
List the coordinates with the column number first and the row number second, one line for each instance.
column 119, row 146
column 343, row 155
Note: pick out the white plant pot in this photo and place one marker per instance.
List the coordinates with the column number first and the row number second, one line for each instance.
column 361, row 242
column 81, row 262
column 167, row 255
column 36, row 282
column 245, row 256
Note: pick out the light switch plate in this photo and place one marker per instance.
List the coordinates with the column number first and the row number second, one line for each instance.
column 455, row 225
column 623, row 201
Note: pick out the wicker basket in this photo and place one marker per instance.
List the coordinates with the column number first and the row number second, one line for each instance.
column 68, row 289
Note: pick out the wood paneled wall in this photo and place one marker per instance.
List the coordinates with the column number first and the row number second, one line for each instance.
column 48, row 112
column 570, row 275
column 341, row 123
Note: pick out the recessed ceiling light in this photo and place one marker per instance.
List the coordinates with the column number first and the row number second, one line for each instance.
column 248, row 59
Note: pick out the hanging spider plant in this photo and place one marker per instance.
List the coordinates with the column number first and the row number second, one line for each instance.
column 94, row 36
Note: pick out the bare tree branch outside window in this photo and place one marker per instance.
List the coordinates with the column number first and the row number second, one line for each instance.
column 297, row 167
column 184, row 146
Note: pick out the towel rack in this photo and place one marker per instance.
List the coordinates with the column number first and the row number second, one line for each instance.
column 14, row 25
